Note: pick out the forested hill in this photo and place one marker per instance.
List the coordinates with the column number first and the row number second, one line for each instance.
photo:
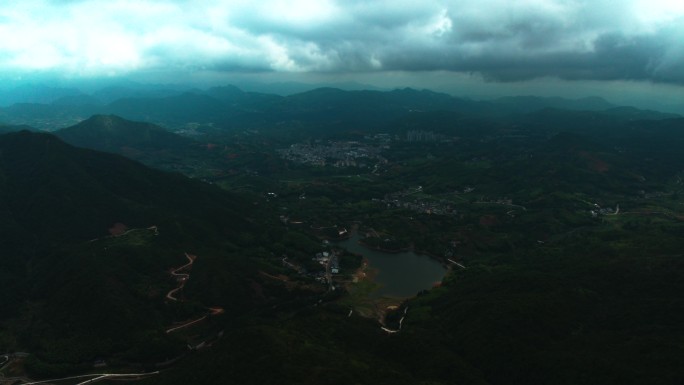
column 54, row 192
column 86, row 239
column 114, row 134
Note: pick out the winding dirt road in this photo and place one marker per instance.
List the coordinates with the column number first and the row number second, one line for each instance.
column 182, row 278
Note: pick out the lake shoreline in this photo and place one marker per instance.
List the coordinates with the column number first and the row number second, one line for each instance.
column 411, row 249
column 401, row 273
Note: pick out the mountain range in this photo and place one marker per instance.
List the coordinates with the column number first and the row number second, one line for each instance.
column 559, row 219
column 230, row 107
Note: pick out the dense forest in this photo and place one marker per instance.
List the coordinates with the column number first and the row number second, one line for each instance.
column 192, row 242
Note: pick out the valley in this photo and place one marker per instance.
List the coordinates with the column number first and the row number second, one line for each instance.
column 440, row 241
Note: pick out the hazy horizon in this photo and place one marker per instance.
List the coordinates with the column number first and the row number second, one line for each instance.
column 628, row 52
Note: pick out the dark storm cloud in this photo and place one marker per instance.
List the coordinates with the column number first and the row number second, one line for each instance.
column 614, row 57
column 502, row 40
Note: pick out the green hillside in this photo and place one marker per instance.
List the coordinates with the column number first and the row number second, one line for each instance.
column 111, row 133
column 75, row 286
column 144, row 142
column 562, row 229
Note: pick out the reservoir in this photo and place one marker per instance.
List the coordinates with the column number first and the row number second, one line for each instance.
column 401, row 274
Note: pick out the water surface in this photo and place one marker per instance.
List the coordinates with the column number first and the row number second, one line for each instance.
column 401, row 274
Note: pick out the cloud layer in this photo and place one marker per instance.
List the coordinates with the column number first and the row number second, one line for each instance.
column 500, row 39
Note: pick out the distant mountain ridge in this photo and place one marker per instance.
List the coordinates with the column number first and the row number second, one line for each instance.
column 111, row 133
column 230, row 107
column 527, row 104
column 35, row 94
column 5, row 128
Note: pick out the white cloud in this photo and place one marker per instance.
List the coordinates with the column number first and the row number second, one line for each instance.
column 500, row 38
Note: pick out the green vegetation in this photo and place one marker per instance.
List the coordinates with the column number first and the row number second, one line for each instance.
column 562, row 229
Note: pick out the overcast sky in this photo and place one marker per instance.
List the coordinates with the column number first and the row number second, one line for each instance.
column 478, row 46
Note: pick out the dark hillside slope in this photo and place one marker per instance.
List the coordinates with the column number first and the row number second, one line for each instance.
column 71, row 292
column 111, row 133
column 12, row 128
column 147, row 143
column 59, row 193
